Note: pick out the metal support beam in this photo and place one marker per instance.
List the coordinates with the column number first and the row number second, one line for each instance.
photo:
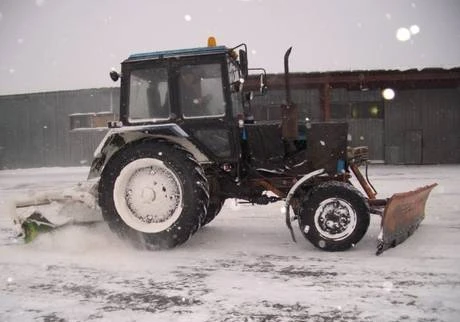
column 325, row 101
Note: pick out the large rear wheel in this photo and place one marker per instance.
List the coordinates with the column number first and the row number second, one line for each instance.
column 215, row 202
column 215, row 206
column 334, row 216
column 154, row 194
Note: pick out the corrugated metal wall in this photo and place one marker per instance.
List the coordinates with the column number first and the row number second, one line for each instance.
column 422, row 127
column 35, row 128
column 368, row 132
column 267, row 107
column 419, row 126
column 363, row 130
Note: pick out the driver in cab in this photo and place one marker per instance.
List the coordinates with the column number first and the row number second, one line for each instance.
column 192, row 99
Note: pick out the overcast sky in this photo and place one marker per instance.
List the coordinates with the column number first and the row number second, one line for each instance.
column 50, row 45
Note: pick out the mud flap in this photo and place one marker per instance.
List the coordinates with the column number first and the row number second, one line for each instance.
column 402, row 215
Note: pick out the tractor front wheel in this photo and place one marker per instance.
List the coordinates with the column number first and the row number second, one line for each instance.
column 334, row 216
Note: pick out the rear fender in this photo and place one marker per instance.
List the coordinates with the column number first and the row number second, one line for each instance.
column 117, row 138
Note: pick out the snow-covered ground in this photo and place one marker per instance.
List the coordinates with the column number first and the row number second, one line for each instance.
column 242, row 267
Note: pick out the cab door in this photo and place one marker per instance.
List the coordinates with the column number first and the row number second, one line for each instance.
column 205, row 107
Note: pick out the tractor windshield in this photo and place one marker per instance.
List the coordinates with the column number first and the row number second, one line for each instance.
column 201, row 92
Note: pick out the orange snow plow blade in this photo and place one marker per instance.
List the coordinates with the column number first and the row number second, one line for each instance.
column 402, row 215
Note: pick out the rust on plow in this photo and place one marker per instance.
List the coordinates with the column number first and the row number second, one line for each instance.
column 402, row 216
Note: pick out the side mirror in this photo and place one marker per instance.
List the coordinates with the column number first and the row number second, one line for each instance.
column 263, row 86
column 237, row 86
column 244, row 63
column 114, row 75
column 249, row 96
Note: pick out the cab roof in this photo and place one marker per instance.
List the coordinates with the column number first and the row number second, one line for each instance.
column 178, row 53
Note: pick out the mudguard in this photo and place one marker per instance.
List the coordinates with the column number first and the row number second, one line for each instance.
column 402, row 215
column 291, row 193
column 116, row 138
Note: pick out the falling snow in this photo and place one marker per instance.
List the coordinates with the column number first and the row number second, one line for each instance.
column 403, row 34
column 414, row 29
column 48, row 29
column 388, row 94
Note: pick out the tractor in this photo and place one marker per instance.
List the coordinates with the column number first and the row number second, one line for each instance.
column 185, row 141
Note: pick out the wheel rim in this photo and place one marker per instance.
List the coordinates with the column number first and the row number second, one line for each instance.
column 335, row 219
column 148, row 195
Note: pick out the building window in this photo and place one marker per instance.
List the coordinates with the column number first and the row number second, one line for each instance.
column 367, row 110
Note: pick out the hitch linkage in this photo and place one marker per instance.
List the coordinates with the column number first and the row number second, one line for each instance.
column 262, row 200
